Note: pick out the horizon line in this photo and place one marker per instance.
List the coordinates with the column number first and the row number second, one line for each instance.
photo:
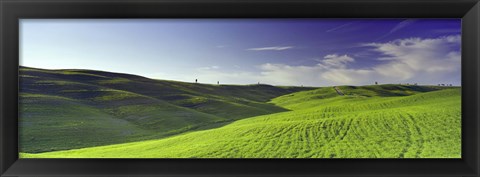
column 258, row 83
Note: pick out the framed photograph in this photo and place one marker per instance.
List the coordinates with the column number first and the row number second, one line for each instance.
column 239, row 88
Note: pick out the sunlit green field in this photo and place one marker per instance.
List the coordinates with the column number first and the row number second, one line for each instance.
column 379, row 121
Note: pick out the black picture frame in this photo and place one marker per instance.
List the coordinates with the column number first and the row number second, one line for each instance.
column 13, row 10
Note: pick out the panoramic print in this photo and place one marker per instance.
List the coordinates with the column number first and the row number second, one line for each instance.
column 240, row 88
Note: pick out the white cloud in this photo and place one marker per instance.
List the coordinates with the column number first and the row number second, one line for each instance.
column 326, row 72
column 281, row 74
column 414, row 57
column 209, row 68
column 336, row 61
column 349, row 76
column 275, row 48
column 412, row 60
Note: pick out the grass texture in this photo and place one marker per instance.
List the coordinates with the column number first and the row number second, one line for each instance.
column 379, row 121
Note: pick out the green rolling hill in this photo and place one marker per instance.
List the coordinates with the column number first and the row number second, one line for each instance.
column 68, row 109
column 381, row 121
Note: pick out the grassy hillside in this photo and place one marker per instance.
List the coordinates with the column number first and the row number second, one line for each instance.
column 50, row 123
column 66, row 109
column 387, row 121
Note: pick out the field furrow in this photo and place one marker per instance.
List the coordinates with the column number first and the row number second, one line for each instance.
column 318, row 125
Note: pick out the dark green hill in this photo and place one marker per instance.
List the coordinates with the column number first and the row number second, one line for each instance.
column 65, row 109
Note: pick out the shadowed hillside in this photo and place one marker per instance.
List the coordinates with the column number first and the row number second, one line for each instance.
column 65, row 109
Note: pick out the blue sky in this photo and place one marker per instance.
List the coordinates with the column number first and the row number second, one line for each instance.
column 309, row 52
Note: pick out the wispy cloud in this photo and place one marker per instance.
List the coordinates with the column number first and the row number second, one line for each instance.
column 209, row 68
column 409, row 60
column 419, row 58
column 413, row 60
column 339, row 27
column 336, row 61
column 398, row 27
column 401, row 25
column 275, row 48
